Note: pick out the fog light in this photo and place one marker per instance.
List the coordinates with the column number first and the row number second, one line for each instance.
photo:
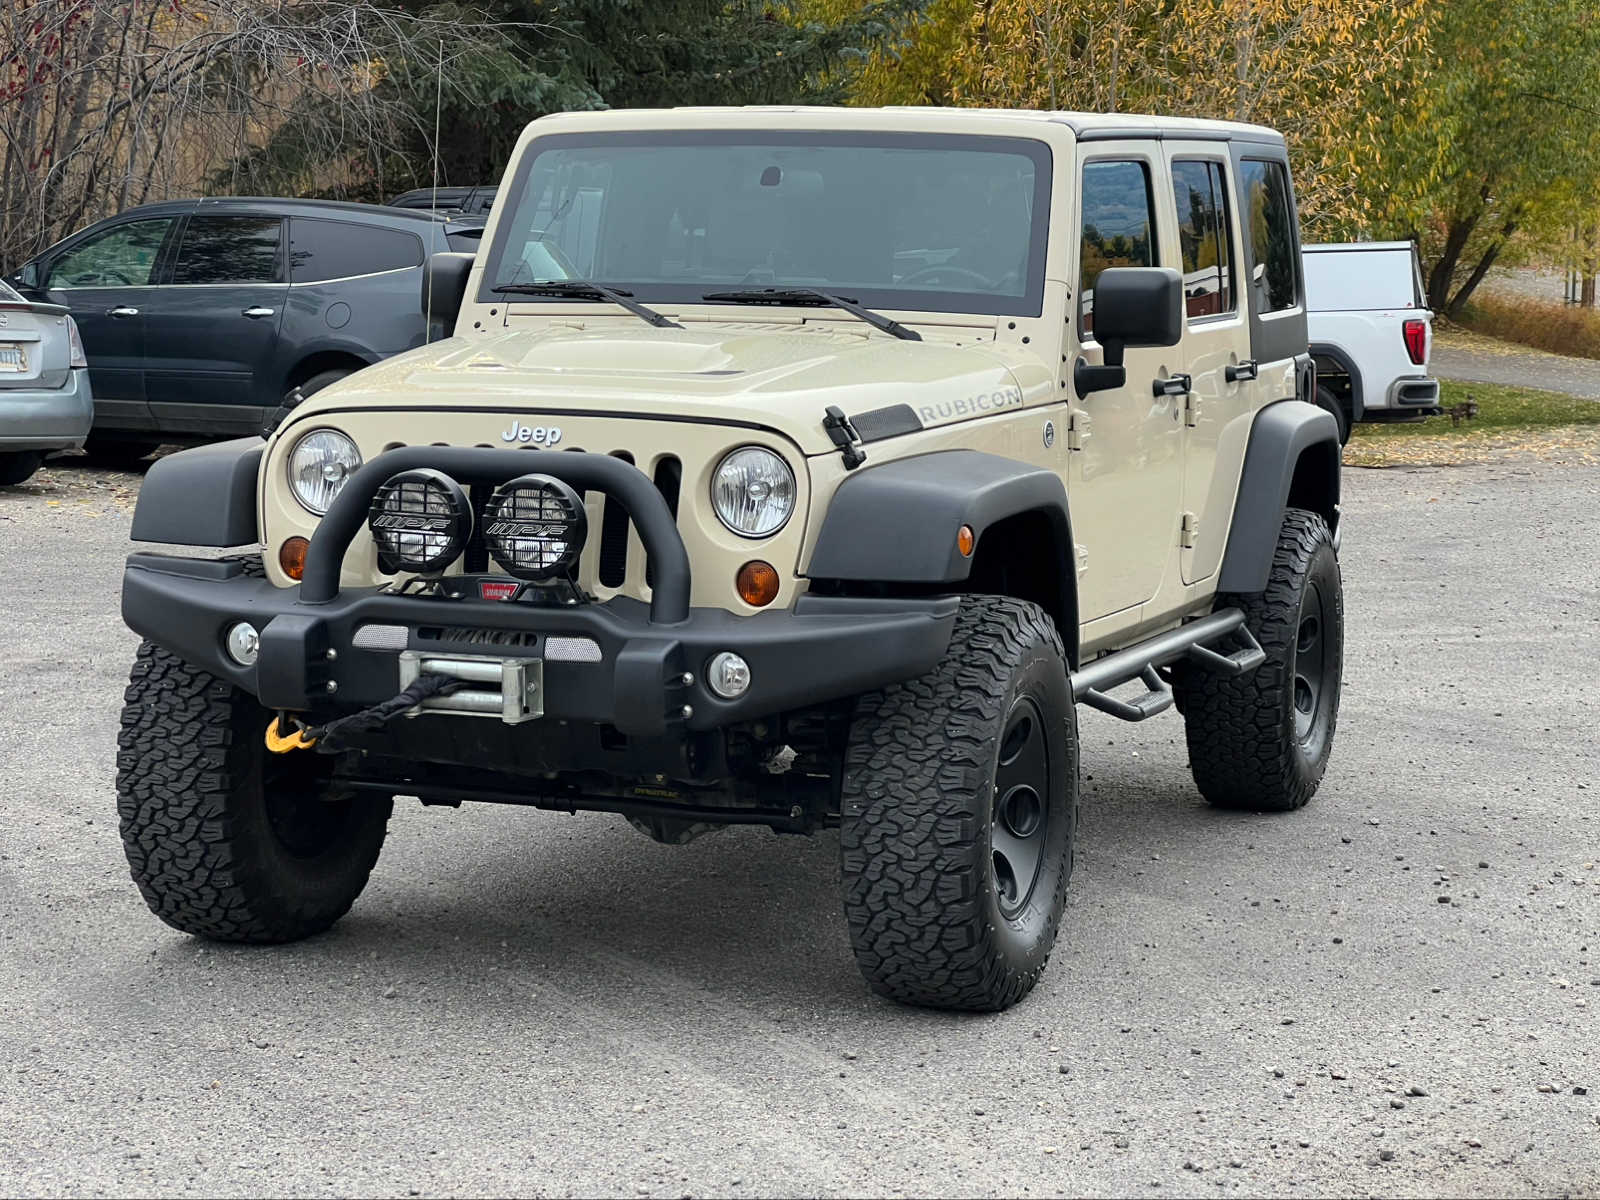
column 242, row 643
column 728, row 675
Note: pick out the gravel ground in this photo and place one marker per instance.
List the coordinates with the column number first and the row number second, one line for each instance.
column 1393, row 991
column 1458, row 354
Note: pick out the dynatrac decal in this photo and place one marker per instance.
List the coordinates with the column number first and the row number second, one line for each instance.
column 541, row 435
column 971, row 406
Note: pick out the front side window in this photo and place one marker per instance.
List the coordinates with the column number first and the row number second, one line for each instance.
column 1265, row 196
column 921, row 222
column 1118, row 226
column 1205, row 235
column 229, row 250
column 320, row 250
column 123, row 256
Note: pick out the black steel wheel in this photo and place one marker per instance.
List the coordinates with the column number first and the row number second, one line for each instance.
column 225, row 840
column 959, row 808
column 1261, row 741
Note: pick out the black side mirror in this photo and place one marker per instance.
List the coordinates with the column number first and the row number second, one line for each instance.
column 444, row 285
column 1133, row 306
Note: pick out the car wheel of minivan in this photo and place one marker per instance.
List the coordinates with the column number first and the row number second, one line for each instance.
column 122, row 453
column 18, row 466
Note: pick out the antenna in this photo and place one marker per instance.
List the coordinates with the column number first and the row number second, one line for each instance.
column 438, row 105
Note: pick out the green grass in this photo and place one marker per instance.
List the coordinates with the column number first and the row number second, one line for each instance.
column 1499, row 408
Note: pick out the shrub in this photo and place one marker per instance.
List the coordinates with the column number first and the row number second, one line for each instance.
column 1540, row 323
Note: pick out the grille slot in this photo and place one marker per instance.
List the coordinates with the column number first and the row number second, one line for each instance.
column 613, row 569
column 668, row 479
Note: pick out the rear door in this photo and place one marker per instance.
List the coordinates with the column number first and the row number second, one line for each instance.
column 107, row 280
column 211, row 332
column 1216, row 411
column 1273, row 286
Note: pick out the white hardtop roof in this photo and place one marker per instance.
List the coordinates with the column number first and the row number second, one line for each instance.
column 1345, row 247
column 1088, row 126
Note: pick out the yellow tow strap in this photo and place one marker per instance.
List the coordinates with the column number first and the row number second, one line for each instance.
column 280, row 743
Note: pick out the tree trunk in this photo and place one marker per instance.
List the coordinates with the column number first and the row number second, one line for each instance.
column 1464, row 293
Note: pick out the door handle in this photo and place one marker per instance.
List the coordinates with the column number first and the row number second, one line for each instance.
column 122, row 310
column 1172, row 385
column 1245, row 370
column 258, row 311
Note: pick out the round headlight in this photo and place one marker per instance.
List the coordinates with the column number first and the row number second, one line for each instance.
column 421, row 521
column 534, row 526
column 319, row 464
column 753, row 492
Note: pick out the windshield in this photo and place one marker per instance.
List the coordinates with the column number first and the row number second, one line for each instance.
column 931, row 223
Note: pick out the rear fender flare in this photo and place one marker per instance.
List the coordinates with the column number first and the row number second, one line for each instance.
column 1291, row 461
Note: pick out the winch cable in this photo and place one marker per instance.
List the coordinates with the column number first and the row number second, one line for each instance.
column 328, row 735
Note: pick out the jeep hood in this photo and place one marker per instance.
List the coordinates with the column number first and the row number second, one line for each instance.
column 782, row 377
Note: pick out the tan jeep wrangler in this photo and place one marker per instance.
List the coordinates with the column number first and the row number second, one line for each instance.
column 789, row 467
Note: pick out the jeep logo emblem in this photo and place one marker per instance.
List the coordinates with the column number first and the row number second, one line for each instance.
column 539, row 435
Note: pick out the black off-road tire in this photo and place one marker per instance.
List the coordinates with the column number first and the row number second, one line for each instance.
column 1246, row 749
column 925, row 871
column 1330, row 404
column 18, row 466
column 225, row 840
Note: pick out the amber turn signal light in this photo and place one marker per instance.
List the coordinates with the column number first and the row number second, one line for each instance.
column 292, row 557
column 757, row 582
column 966, row 540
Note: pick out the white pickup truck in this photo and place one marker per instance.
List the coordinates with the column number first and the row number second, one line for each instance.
column 1370, row 332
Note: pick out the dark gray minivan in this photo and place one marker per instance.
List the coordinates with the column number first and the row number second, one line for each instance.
column 199, row 315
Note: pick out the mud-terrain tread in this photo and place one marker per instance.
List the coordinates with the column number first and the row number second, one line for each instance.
column 1238, row 751
column 916, row 795
column 182, row 752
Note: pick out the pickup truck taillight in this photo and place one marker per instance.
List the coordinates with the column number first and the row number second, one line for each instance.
column 1416, row 335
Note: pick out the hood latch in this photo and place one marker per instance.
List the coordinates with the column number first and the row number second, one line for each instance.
column 844, row 435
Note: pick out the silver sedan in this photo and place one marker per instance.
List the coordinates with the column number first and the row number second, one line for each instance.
column 44, row 385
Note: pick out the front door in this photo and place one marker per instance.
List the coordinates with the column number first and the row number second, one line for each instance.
column 212, row 331
column 1127, row 476
column 105, row 280
column 1216, row 347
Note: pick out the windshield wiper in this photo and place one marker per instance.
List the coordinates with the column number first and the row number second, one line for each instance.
column 805, row 295
column 584, row 289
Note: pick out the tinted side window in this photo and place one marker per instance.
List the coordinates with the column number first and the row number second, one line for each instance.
column 122, row 256
column 1270, row 222
column 229, row 250
column 1118, row 225
column 1205, row 236
column 321, row 250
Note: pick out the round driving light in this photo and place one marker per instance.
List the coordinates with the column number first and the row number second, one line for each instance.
column 757, row 583
column 535, row 526
column 728, row 675
column 420, row 520
column 319, row 464
column 753, row 492
column 292, row 557
column 242, row 643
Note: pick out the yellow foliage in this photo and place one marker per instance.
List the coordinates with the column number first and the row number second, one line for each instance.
column 1331, row 75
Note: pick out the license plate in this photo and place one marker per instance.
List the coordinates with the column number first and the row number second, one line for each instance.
column 12, row 357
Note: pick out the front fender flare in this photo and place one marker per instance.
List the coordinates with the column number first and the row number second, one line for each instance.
column 201, row 497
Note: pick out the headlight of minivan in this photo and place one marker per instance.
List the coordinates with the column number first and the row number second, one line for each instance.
column 319, row 464
column 752, row 492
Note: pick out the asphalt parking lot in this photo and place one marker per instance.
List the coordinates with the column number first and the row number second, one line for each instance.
column 1394, row 991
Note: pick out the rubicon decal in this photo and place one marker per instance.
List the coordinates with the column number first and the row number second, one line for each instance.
column 971, row 406
column 539, row 435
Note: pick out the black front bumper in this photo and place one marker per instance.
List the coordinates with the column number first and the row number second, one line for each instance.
column 649, row 678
